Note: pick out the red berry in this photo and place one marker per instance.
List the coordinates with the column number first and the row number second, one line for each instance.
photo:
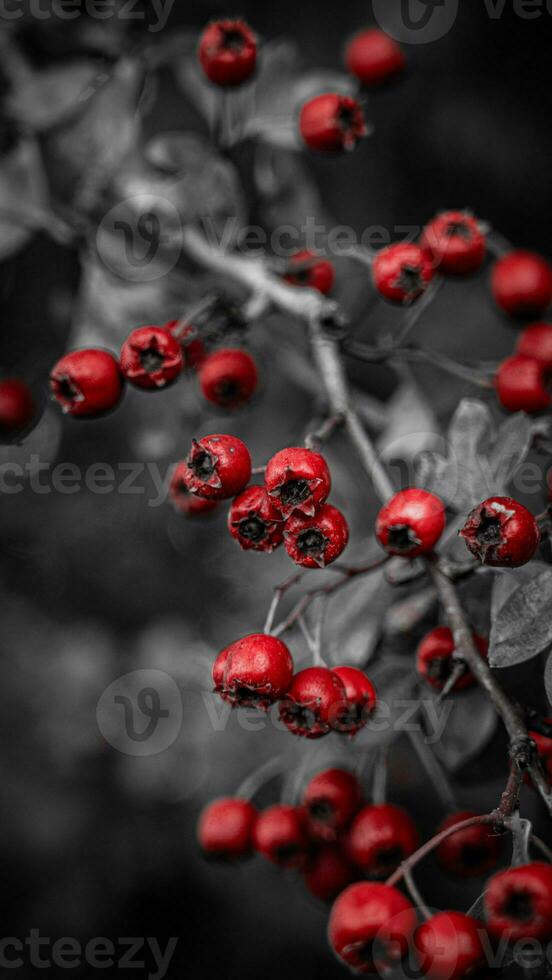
column 314, row 699
column 521, row 283
column 536, row 342
column 471, row 852
column 380, row 837
column 435, row 659
column 332, row 122
column 361, row 700
column 87, row 382
column 450, row 946
column 298, row 479
column 185, row 502
column 371, row 926
column 228, row 52
column 217, row 467
column 329, row 872
column 374, row 57
column 315, row 542
column 455, row 242
column 280, row 836
column 521, row 385
column 544, row 749
column 331, row 799
column 151, row 358
column 17, row 407
column 518, row 902
column 501, row 532
column 228, row 377
column 402, row 272
column 192, row 346
column 411, row 523
column 305, row 269
column 254, row 521
column 225, row 829
column 254, row 671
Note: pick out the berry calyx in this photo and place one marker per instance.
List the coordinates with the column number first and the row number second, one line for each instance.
column 307, row 270
column 402, row 272
column 536, row 341
column 228, row 377
column 380, row 837
column 185, row 502
column 501, row 532
column 151, row 358
column 254, row 671
column 17, row 407
column 228, row 52
column 298, row 479
column 225, row 829
column 518, row 902
column 217, row 467
column 331, row 799
column 329, row 871
column 361, row 700
column 374, row 57
column 371, row 926
column 254, row 522
column 455, row 242
column 279, row 835
column 521, row 283
column 521, row 385
column 315, row 542
column 435, row 660
column 86, row 382
column 411, row 523
column 470, row 852
column 449, row 946
column 332, row 122
column 315, row 697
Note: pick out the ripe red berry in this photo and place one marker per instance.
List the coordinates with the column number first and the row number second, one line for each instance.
column 217, row 467
column 521, row 385
column 411, row 523
column 17, row 407
column 543, row 745
column 332, row 122
column 228, row 52
column 329, row 871
column 280, row 836
column 191, row 344
column 402, row 272
column 536, row 341
column 151, row 358
column 518, row 902
column 315, row 542
column 521, row 283
column 298, row 479
column 254, row 671
column 361, row 700
column 314, row 699
column 371, row 926
column 87, row 382
column 374, row 57
column 455, row 242
column 471, row 852
column 185, row 502
column 450, row 946
column 331, row 799
column 380, row 837
column 435, row 659
column 501, row 532
column 225, row 829
column 228, row 377
column 254, row 521
column 305, row 269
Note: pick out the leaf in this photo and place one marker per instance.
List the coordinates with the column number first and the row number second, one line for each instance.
column 510, row 449
column 548, row 678
column 47, row 97
column 354, row 619
column 522, row 626
column 411, row 427
column 461, row 739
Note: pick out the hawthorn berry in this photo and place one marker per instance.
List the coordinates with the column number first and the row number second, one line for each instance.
column 374, row 57
column 332, row 122
column 371, row 926
column 191, row 344
column 361, row 700
column 298, row 479
column 435, row 659
column 380, row 837
column 314, row 699
column 87, row 382
column 455, row 242
column 228, row 377
column 306, row 269
column 402, row 272
column 518, row 902
column 521, row 385
column 501, row 532
column 17, row 407
column 217, row 467
column 254, row 671
column 470, row 852
column 543, row 744
column 411, row 523
column 536, row 342
column 521, row 283
column 225, row 829
column 279, row 835
column 331, row 799
column 228, row 52
column 450, row 946
column 151, row 358
column 254, row 521
column 329, row 871
column 315, row 542
column 185, row 502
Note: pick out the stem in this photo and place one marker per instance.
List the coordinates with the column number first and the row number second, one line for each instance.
column 257, row 779
column 376, row 355
column 416, row 895
column 430, row 845
column 415, row 313
column 434, row 771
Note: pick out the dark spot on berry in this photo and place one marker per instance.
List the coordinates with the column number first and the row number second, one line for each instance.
column 346, row 117
column 439, row 669
column 322, row 811
column 203, row 465
column 401, row 537
column 233, row 41
column 66, row 389
column 151, row 360
column 298, row 716
column 294, row 492
column 389, row 858
column 312, row 542
column 410, row 279
column 459, row 229
column 489, row 531
column 252, row 529
column 519, row 906
column 247, row 696
column 349, row 716
column 228, row 391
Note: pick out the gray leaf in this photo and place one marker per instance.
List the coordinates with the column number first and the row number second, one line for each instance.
column 522, row 628
column 461, row 739
column 510, row 449
column 354, row 619
column 548, row 679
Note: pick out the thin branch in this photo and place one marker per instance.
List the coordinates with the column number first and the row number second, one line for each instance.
column 416, row 895
column 415, row 312
column 430, row 845
column 416, row 355
column 434, row 771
